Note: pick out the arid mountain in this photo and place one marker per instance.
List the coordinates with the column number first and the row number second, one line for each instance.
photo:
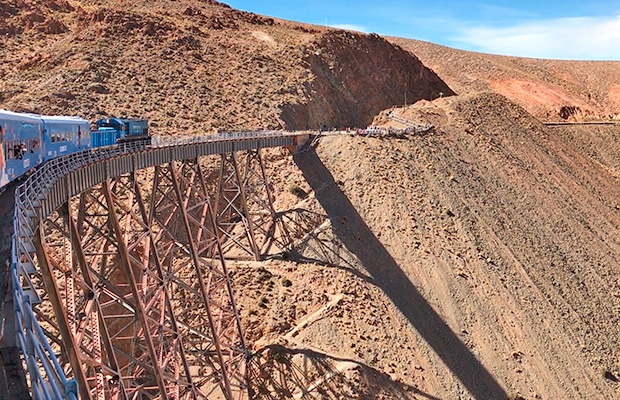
column 198, row 66
column 550, row 90
column 478, row 258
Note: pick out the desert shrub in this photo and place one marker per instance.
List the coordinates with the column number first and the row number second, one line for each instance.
column 286, row 282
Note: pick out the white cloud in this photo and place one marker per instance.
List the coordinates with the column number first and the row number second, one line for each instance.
column 565, row 38
column 350, row 27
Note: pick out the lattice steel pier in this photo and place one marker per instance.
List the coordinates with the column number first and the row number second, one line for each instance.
column 122, row 260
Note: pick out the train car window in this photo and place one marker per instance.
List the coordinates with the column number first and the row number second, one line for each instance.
column 11, row 131
column 59, row 132
column 31, row 145
column 8, row 152
column 3, row 156
column 3, row 143
column 17, row 149
column 65, row 133
column 61, row 137
column 86, row 134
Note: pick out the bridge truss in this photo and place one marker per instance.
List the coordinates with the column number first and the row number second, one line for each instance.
column 127, row 279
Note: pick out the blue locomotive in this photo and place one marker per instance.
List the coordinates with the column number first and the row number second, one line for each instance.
column 112, row 130
column 28, row 140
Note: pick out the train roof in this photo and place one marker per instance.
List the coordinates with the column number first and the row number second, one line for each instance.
column 64, row 119
column 123, row 119
column 13, row 116
column 35, row 118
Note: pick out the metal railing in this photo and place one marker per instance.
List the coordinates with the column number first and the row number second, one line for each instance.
column 54, row 184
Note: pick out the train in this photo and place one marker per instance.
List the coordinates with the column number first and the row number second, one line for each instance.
column 29, row 140
column 112, row 130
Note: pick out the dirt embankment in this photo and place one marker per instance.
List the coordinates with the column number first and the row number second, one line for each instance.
column 354, row 76
column 476, row 260
column 508, row 231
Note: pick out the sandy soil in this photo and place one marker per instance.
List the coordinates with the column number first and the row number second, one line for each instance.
column 476, row 261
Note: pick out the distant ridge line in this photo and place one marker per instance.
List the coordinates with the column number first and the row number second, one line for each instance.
column 582, row 123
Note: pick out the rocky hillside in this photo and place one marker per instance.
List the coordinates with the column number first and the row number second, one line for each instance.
column 193, row 66
column 355, row 76
column 196, row 66
column 475, row 259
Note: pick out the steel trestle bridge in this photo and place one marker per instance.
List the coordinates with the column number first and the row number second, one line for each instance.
column 118, row 267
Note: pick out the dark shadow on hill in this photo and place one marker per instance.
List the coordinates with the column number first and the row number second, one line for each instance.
column 278, row 372
column 351, row 229
column 312, row 241
column 355, row 76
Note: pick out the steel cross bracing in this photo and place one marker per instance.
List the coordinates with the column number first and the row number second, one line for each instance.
column 134, row 270
column 147, row 301
column 244, row 191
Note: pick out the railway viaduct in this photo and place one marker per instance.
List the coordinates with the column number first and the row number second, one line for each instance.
column 117, row 285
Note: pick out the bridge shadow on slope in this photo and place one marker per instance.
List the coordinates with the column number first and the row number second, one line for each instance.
column 387, row 275
column 279, row 372
column 311, row 245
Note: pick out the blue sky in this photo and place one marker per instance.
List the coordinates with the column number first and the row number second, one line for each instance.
column 569, row 29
